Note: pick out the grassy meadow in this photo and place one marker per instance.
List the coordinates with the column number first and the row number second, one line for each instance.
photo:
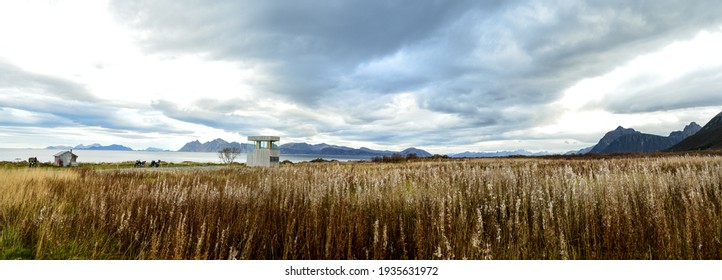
column 667, row 207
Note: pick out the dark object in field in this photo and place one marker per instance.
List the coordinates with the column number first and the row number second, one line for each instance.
column 139, row 163
column 33, row 162
column 322, row 160
column 395, row 158
column 155, row 163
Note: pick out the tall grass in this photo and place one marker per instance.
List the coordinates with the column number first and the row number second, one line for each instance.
column 653, row 208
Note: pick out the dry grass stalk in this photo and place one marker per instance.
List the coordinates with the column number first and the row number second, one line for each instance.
column 640, row 208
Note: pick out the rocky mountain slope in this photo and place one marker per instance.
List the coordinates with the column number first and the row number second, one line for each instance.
column 707, row 138
column 627, row 140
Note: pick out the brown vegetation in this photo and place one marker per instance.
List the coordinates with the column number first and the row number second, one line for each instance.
column 522, row 208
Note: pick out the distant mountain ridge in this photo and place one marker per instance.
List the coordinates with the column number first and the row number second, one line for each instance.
column 610, row 137
column 212, row 146
column 59, row 147
column 519, row 152
column 326, row 149
column 580, row 151
column 298, row 149
column 708, row 137
column 627, row 140
column 98, row 147
column 153, row 149
column 417, row 152
column 92, row 147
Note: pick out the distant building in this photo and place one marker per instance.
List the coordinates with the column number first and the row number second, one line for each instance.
column 66, row 158
column 264, row 151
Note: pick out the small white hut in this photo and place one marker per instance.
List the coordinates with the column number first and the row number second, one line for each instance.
column 66, row 158
column 265, row 151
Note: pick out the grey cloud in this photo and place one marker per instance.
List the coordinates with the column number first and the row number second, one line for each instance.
column 311, row 29
column 580, row 40
column 76, row 113
column 45, row 95
column 695, row 89
column 530, row 64
column 609, row 31
column 207, row 117
column 471, row 59
column 223, row 114
column 306, row 45
column 15, row 117
column 222, row 106
column 408, row 138
column 16, row 79
column 30, row 99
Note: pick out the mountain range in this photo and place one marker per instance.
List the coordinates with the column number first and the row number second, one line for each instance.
column 98, row 147
column 298, row 149
column 520, row 152
column 707, row 138
column 212, row 146
column 326, row 149
column 580, row 151
column 628, row 140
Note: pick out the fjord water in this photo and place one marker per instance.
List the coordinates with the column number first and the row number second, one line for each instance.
column 121, row 156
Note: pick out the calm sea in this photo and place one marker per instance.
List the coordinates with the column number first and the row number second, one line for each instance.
column 120, row 156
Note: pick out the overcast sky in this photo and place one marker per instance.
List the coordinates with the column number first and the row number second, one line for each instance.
column 445, row 76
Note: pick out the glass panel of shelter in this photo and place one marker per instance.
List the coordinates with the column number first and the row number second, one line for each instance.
column 273, row 145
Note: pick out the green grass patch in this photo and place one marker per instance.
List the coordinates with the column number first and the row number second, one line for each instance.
column 12, row 246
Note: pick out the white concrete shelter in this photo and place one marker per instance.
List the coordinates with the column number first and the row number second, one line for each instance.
column 265, row 152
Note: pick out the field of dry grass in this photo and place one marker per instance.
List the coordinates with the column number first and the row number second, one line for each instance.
column 619, row 208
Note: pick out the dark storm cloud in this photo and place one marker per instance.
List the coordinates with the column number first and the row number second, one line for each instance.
column 497, row 65
column 30, row 99
column 306, row 45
